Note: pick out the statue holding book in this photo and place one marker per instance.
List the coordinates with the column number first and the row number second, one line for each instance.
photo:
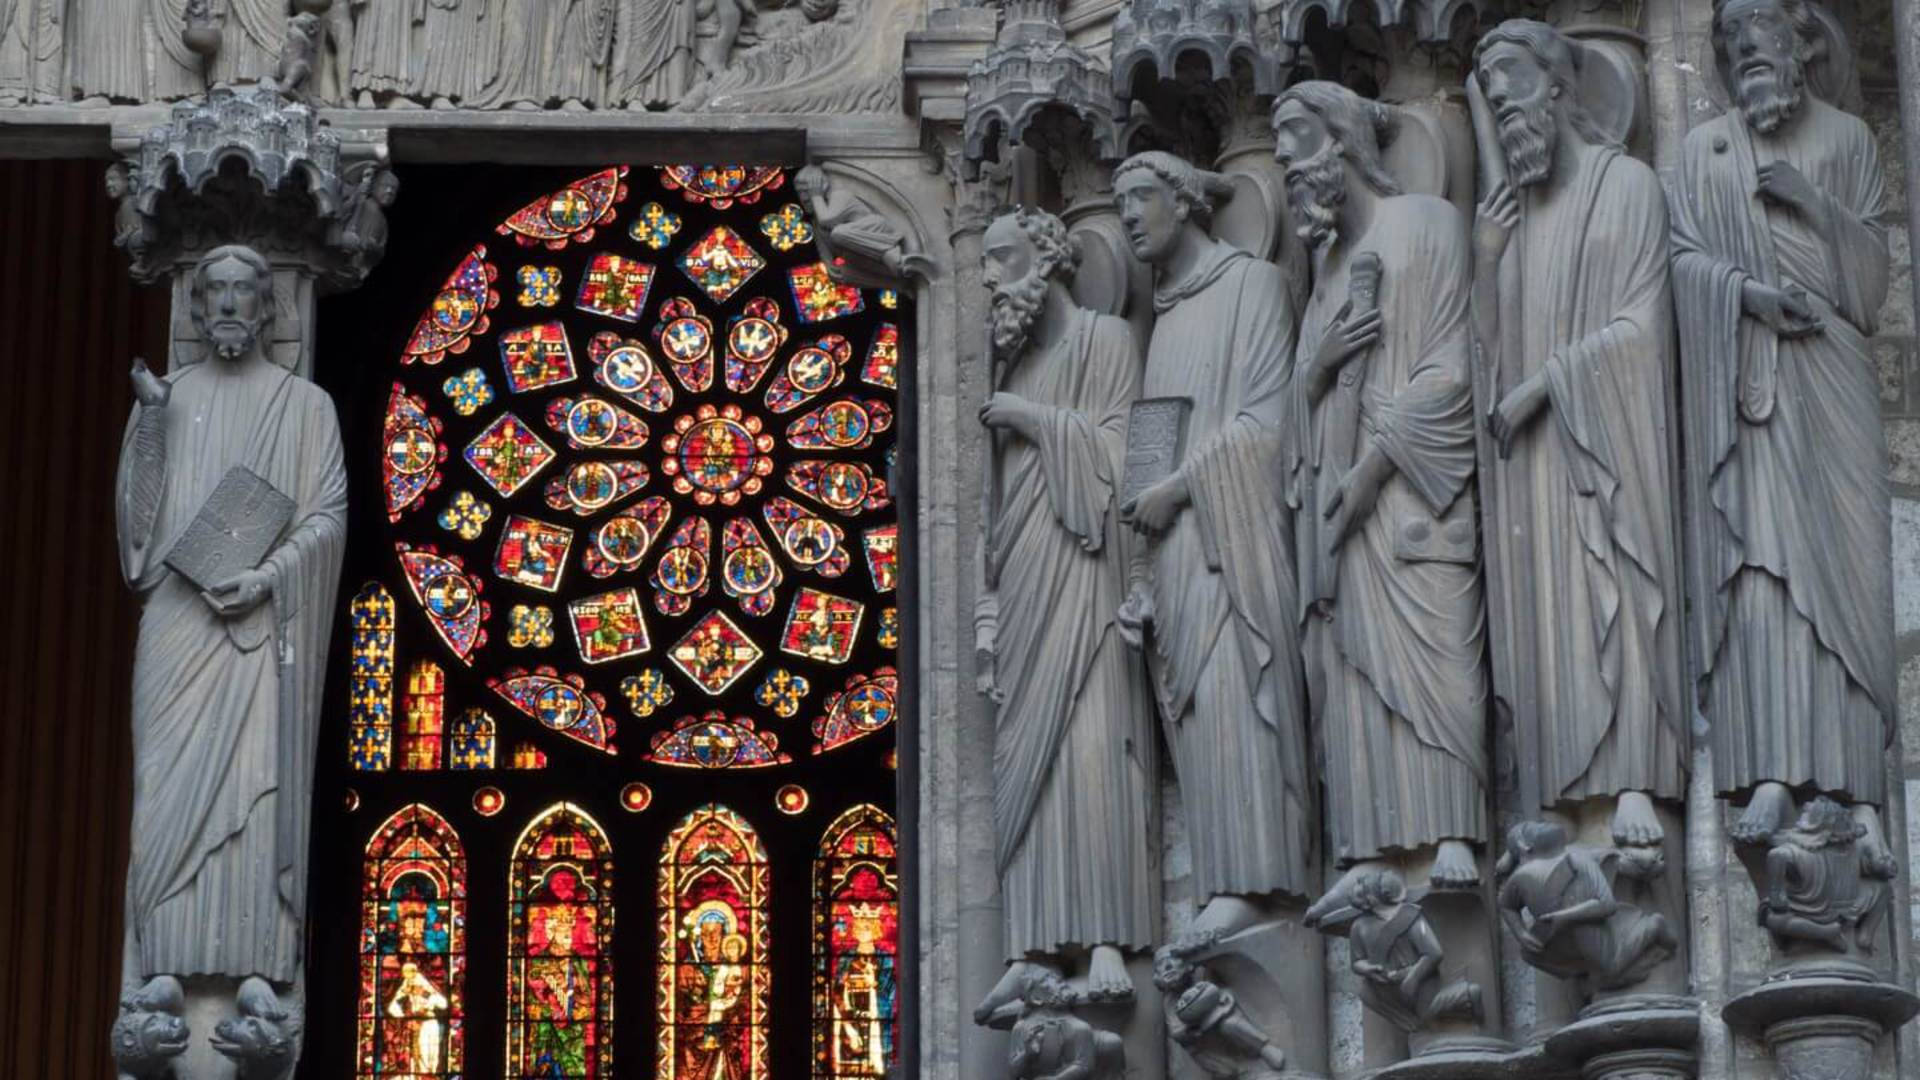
column 231, row 504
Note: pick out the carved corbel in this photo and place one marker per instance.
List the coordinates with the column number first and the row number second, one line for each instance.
column 860, row 245
column 1049, row 1041
column 1207, row 1020
column 263, row 1040
column 151, row 1030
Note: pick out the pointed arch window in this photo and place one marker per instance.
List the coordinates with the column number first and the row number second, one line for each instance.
column 856, row 946
column 413, row 948
column 560, row 949
column 714, row 981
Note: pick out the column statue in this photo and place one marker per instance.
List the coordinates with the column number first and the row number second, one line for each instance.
column 227, row 671
column 1390, row 603
column 1780, row 267
column 1574, row 317
column 1074, row 776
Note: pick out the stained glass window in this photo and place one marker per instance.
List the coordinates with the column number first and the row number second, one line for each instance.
column 714, row 995
column 634, row 593
column 560, row 960
column 856, row 945
column 413, row 948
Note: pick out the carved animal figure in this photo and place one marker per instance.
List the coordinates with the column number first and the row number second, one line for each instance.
column 150, row 1031
column 1050, row 1043
column 264, row 1039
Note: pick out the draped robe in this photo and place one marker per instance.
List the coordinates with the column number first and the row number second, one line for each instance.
column 451, row 65
column 1580, row 515
column 112, row 60
column 515, row 38
column 32, row 48
column 383, row 37
column 1394, row 624
column 225, row 711
column 653, row 61
column 1225, row 652
column 1073, row 765
column 1792, row 571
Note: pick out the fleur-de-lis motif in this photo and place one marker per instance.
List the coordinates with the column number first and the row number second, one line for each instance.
column 786, row 229
column 654, row 226
column 782, row 691
column 530, row 626
column 469, row 390
column 647, row 692
column 465, row 515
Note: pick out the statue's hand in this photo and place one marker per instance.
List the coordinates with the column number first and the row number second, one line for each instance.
column 1134, row 615
column 1515, row 409
column 1785, row 311
column 1493, row 223
column 149, row 389
column 1153, row 511
column 1543, row 928
column 1353, row 500
column 1350, row 335
column 1010, row 411
column 240, row 593
column 1781, row 183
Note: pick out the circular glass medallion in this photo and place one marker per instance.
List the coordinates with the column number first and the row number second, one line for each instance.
column 592, row 484
column 449, row 595
column 809, row 541
column 628, row 368
column 717, row 455
column 844, row 424
column 623, row 540
column 569, row 210
column 750, row 570
column 489, row 801
column 454, row 310
column 412, row 451
column 682, row 570
column 870, row 707
column 811, row 370
column 591, row 421
column 753, row 339
column 636, row 797
column 791, row 799
column 558, row 706
column 686, row 339
column 843, row 486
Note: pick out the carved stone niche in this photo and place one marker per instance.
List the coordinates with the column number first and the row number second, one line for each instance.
column 1825, row 886
column 253, row 164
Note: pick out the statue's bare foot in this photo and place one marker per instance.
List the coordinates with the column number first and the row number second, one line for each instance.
column 1223, row 917
column 364, row 100
column 1767, row 813
column 1635, row 822
column 1107, row 978
column 1874, row 852
column 1001, row 1007
column 1273, row 1057
column 1454, row 866
column 442, row 101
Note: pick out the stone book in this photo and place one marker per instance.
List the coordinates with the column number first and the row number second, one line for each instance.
column 1156, row 440
column 235, row 528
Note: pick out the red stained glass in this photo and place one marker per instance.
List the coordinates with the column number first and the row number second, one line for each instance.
column 615, row 286
column 622, row 541
column 571, row 213
column 883, row 358
column 681, row 574
column 507, row 454
column 867, row 704
column 720, row 263
column 849, row 487
column 412, row 949
column 722, row 185
column 810, row 371
column 717, row 454
column 560, row 703
column 883, row 556
column 625, row 367
column 449, row 595
column 856, row 947
column 411, row 465
column 715, row 742
column 609, row 626
column 594, row 423
column 821, row 626
column 754, row 338
column 715, row 989
column 808, row 539
column 685, row 338
column 847, row 424
column 560, row 950
column 458, row 312
column 591, row 486
column 715, row 653
column 536, row 357
column 425, row 716
column 532, row 553
column 817, row 297
column 748, row 570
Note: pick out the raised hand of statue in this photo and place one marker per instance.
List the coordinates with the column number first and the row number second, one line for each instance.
column 1781, row 183
column 1493, row 223
column 1136, row 611
column 1356, row 494
column 1348, row 337
column 1519, row 406
column 1004, row 411
column 149, row 389
column 1785, row 311
column 239, row 594
column 1152, row 511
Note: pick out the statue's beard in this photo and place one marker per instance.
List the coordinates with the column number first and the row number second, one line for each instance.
column 1527, row 136
column 231, row 340
column 1316, row 188
column 1016, row 308
column 1767, row 100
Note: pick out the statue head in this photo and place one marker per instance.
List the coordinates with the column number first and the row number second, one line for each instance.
column 150, row 1029
column 1529, row 73
column 119, row 181
column 1323, row 133
column 1530, row 840
column 1824, row 823
column 1160, row 197
column 264, row 1038
column 1172, row 970
column 1372, row 890
column 1763, row 47
column 386, row 187
column 231, row 300
column 810, row 183
column 1026, row 253
column 1046, row 989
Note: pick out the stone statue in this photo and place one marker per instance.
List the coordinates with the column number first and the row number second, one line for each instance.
column 1389, row 582
column 227, row 679
column 1207, row 1021
column 1780, row 266
column 176, row 71
column 860, row 244
column 1074, row 775
column 250, row 38
column 108, row 61
column 150, row 1031
column 1216, row 604
column 576, row 63
column 659, row 52
column 1397, row 954
column 1820, row 889
column 32, row 51
column 263, row 1041
column 1558, row 901
column 383, row 59
column 1050, row 1043
column 516, row 45
column 451, row 66
column 132, row 232
column 363, row 224
column 1572, row 309
column 299, row 49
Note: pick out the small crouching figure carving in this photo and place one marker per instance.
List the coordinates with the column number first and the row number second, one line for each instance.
column 1821, row 883
column 1051, row 1043
column 1206, row 1020
column 150, row 1031
column 1558, row 900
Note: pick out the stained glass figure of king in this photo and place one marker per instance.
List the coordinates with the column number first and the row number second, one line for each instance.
column 1780, row 265
column 1217, row 602
column 226, row 679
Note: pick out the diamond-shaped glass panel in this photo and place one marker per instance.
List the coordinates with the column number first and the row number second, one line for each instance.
column 714, row 653
column 720, row 263
column 507, row 454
